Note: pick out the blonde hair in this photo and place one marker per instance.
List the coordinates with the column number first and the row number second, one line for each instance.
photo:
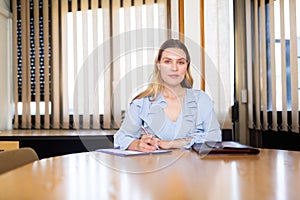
column 156, row 85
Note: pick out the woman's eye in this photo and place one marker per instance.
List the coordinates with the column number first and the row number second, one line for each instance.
column 167, row 62
column 181, row 62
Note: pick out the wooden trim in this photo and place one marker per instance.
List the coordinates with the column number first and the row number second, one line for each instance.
column 181, row 19
column 202, row 40
column 169, row 19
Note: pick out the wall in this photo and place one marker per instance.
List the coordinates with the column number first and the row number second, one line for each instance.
column 5, row 65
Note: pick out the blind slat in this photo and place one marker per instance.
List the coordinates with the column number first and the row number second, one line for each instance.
column 37, row 64
column 64, row 61
column 273, row 67
column 140, row 57
column 117, row 47
column 128, row 64
column 75, row 63
column 294, row 66
column 256, row 67
column 249, row 64
column 283, row 67
column 15, row 71
column 96, row 115
column 149, row 39
column 25, row 70
column 174, row 23
column 107, row 64
column 55, row 66
column 86, row 78
column 263, row 62
column 46, row 63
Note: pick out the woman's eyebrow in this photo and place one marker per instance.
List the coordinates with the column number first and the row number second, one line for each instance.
column 167, row 58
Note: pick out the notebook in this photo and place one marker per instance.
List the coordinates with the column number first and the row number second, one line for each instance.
column 119, row 152
column 226, row 147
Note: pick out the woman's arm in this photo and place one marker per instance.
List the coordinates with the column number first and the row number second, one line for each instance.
column 177, row 143
column 130, row 129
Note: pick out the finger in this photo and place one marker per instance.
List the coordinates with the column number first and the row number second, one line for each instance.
column 147, row 148
column 147, row 136
column 146, row 140
column 154, row 141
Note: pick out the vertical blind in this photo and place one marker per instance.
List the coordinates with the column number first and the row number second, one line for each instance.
column 272, row 64
column 218, row 31
column 32, row 69
column 74, row 59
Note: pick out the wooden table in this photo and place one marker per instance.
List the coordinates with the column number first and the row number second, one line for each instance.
column 182, row 174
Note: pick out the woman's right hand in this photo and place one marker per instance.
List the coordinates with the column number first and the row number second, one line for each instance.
column 147, row 143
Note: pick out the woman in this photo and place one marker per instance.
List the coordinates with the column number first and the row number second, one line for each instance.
column 172, row 114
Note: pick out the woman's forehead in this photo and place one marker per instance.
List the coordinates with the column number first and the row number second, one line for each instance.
column 173, row 53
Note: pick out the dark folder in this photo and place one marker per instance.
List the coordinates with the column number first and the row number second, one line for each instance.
column 226, row 147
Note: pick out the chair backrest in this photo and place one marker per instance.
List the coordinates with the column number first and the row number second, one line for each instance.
column 12, row 159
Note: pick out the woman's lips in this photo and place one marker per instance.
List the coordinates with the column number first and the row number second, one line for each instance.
column 174, row 75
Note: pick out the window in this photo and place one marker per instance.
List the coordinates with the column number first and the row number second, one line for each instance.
column 278, row 56
column 70, row 68
column 273, row 35
column 32, row 61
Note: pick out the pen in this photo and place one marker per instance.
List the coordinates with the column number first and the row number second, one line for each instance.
column 146, row 132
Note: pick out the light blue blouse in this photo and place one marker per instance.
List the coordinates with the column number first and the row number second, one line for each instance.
column 197, row 120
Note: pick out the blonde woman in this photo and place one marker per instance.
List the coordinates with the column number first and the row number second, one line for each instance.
column 169, row 113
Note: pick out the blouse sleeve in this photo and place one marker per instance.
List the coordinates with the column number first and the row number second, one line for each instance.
column 131, row 126
column 207, row 127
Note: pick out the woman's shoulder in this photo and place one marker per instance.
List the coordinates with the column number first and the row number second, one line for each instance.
column 139, row 101
column 200, row 97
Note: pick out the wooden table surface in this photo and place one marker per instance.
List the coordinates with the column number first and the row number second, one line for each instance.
column 181, row 174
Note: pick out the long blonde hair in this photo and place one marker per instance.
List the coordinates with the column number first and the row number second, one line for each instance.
column 156, row 85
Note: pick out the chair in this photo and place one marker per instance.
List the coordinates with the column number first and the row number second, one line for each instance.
column 12, row 159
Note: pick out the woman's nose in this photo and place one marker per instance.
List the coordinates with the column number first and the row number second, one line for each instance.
column 174, row 66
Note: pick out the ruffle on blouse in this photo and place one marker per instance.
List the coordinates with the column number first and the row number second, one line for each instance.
column 189, row 114
column 153, row 116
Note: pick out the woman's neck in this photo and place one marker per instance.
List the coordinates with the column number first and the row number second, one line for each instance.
column 177, row 92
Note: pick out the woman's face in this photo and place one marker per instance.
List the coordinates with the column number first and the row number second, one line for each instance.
column 173, row 66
